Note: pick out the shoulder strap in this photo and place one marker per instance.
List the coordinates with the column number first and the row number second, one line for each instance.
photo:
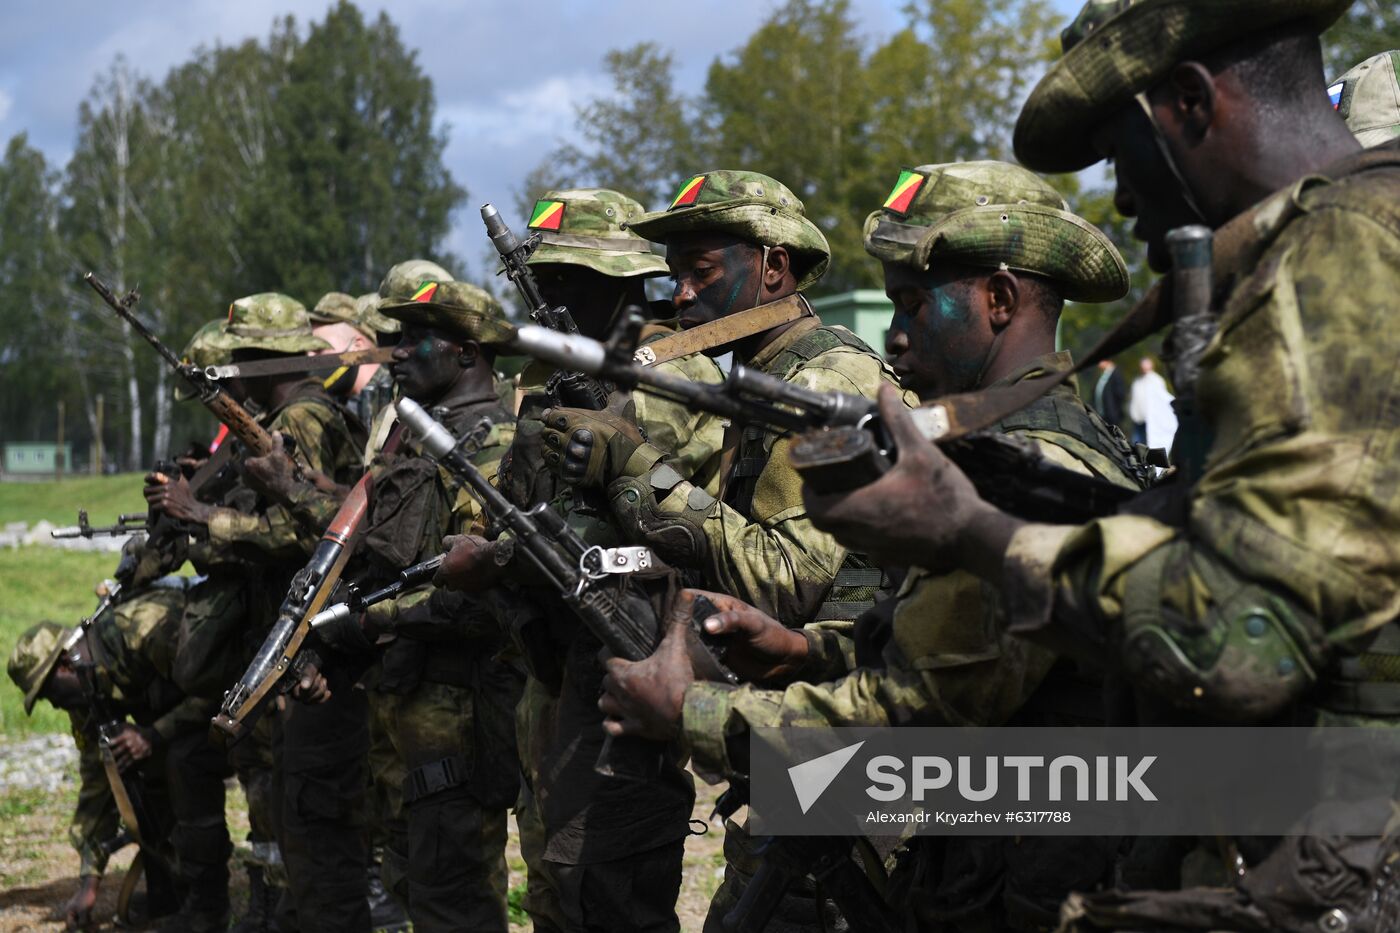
column 812, row 345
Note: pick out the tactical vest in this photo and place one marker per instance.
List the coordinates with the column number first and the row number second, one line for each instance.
column 1067, row 423
column 858, row 583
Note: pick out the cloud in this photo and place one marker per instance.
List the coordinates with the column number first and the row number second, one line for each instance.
column 7, row 103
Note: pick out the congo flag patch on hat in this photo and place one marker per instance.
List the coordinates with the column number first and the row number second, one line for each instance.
column 688, row 193
column 425, row 292
column 904, row 192
column 547, row 215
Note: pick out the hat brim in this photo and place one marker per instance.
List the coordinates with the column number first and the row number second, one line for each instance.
column 31, row 696
column 755, row 221
column 1129, row 54
column 1031, row 238
column 618, row 264
column 290, row 343
column 484, row 329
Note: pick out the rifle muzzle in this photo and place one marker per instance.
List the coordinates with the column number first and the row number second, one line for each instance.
column 437, row 440
column 569, row 352
column 501, row 236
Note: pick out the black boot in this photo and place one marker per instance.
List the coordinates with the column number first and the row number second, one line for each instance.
column 261, row 916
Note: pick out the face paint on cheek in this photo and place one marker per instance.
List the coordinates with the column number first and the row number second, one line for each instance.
column 424, row 350
column 721, row 295
column 941, row 340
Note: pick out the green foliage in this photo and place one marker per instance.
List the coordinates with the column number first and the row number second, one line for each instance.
column 36, row 584
column 1369, row 28
column 515, row 906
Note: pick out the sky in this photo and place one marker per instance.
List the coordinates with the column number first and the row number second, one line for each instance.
column 508, row 73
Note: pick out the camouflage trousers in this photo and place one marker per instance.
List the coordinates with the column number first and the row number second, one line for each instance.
column 388, row 829
column 456, row 872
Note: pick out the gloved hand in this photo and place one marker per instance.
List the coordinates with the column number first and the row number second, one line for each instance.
column 591, row 448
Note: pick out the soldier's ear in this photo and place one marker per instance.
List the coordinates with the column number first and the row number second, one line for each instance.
column 1186, row 102
column 779, row 263
column 470, row 352
column 1003, row 294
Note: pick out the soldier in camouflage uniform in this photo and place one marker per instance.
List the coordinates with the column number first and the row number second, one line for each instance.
column 336, row 319
column 978, row 259
column 1368, row 98
column 1266, row 587
column 239, row 534
column 451, row 722
column 132, row 647
column 741, row 250
column 603, row 853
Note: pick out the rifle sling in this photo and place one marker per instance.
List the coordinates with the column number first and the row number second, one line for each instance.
column 283, row 366
column 725, row 331
column 1238, row 246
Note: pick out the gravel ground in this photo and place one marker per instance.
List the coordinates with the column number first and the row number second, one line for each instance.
column 38, row 868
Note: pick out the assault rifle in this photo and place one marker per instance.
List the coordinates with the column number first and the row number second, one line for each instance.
column 574, row 389
column 213, row 397
column 845, row 445
column 357, row 602
column 127, row 524
column 626, row 627
column 283, row 651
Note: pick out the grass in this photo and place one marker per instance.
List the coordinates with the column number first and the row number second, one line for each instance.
column 42, row 583
column 104, row 497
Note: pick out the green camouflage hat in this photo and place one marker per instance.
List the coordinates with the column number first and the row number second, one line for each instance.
column 584, row 227
column 33, row 659
column 747, row 205
column 453, row 306
column 201, row 352
column 407, row 277
column 268, row 321
column 334, row 308
column 367, row 310
column 1134, row 44
column 992, row 215
column 1368, row 98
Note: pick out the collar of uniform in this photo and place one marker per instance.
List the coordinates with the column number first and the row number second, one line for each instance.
column 799, row 328
column 1046, row 364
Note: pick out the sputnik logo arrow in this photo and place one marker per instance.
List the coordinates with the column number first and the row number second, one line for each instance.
column 811, row 778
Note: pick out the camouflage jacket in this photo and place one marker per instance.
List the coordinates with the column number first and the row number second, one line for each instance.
column 133, row 647
column 1281, row 564
column 759, row 544
column 945, row 660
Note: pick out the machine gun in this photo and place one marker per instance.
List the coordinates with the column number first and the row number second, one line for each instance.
column 845, row 444
column 571, row 388
column 127, row 524
column 282, row 651
column 625, row 625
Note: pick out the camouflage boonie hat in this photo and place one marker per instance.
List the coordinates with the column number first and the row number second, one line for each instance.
column 453, row 306
column 587, row 227
column 35, row 654
column 201, row 352
column 994, row 215
column 268, row 321
column 1116, row 49
column 334, row 308
column 408, row 276
column 747, row 205
column 367, row 311
column 1368, row 98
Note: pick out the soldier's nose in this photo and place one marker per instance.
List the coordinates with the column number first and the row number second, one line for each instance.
column 896, row 342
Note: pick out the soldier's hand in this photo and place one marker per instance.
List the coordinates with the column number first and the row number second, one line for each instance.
column 133, row 744
column 470, row 565
column 589, row 448
column 645, row 698
column 272, row 474
column 171, row 495
column 924, row 512
column 77, row 913
column 311, row 687
column 757, row 647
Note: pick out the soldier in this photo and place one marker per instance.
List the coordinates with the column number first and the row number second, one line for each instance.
column 603, row 853
column 131, row 649
column 336, row 319
column 452, row 721
column 741, row 251
column 1267, row 591
column 1368, row 98
column 978, row 260
column 316, row 791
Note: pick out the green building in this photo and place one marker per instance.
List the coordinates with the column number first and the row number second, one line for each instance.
column 36, row 458
column 865, row 311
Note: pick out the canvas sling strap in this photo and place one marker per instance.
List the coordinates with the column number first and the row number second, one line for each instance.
column 288, row 365
column 725, row 331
